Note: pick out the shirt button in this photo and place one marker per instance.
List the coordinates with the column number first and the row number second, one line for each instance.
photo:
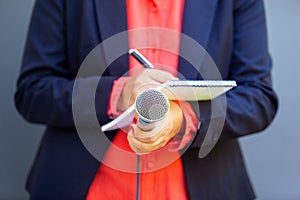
column 150, row 165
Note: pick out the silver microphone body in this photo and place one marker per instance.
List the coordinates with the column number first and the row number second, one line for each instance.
column 152, row 106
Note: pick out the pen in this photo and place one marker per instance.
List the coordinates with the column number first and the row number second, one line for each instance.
column 139, row 57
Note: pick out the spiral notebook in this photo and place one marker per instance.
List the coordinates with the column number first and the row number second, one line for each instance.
column 184, row 90
column 190, row 90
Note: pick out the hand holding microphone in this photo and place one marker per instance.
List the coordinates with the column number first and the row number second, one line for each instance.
column 158, row 122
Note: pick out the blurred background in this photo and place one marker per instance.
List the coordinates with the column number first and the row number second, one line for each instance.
column 272, row 157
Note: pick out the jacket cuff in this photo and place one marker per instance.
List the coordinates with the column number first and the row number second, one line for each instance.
column 115, row 95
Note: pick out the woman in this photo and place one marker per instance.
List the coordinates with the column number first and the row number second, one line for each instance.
column 61, row 35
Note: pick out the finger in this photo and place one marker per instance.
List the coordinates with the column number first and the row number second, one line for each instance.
column 160, row 76
column 135, row 145
column 141, row 147
column 146, row 136
column 149, row 147
column 144, row 85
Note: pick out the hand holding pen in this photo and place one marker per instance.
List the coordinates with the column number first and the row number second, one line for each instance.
column 148, row 78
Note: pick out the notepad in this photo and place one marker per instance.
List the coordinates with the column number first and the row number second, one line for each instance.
column 184, row 90
column 196, row 90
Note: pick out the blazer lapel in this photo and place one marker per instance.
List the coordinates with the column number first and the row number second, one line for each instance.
column 197, row 23
column 112, row 20
column 111, row 17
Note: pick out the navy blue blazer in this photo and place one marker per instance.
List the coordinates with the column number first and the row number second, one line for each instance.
column 63, row 32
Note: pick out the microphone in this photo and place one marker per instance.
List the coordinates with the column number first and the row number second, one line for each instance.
column 152, row 106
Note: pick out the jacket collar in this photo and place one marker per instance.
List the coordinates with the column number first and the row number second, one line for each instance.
column 197, row 23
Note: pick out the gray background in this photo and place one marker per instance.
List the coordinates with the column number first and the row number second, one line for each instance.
column 272, row 157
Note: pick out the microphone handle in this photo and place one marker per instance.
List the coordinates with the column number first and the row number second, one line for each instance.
column 144, row 125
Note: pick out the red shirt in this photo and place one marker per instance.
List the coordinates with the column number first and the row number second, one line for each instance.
column 116, row 177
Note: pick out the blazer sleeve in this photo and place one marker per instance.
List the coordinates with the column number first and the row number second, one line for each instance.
column 45, row 84
column 252, row 105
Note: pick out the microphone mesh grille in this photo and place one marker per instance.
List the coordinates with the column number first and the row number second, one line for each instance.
column 152, row 105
